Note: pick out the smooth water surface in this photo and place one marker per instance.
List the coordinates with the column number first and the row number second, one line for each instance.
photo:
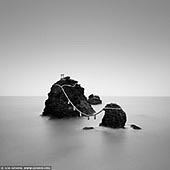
column 26, row 138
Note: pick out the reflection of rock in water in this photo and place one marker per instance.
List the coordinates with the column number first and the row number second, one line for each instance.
column 114, row 117
column 57, row 105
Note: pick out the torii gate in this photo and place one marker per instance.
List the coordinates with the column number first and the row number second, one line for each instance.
column 62, row 76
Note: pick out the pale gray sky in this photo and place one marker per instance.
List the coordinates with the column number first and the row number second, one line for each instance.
column 112, row 47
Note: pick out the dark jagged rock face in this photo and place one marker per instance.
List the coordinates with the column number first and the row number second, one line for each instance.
column 113, row 118
column 57, row 105
column 94, row 99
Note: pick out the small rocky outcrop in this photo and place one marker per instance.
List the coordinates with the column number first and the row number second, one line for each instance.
column 94, row 99
column 133, row 126
column 57, row 104
column 88, row 128
column 114, row 116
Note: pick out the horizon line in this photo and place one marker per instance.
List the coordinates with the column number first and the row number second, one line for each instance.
column 86, row 96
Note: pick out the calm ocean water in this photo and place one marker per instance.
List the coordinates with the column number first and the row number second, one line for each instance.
column 28, row 139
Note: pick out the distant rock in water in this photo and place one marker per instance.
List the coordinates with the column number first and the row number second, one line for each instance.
column 135, row 127
column 114, row 117
column 94, row 99
column 88, row 128
column 57, row 104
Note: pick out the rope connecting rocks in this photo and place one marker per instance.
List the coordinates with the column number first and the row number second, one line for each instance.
column 76, row 109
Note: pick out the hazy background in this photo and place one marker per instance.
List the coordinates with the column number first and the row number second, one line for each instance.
column 113, row 47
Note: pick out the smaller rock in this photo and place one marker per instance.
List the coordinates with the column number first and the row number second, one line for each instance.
column 135, row 127
column 94, row 100
column 88, row 128
column 114, row 116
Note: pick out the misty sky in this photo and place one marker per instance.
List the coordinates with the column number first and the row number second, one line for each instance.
column 113, row 47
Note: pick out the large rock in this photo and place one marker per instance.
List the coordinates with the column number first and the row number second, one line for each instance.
column 57, row 104
column 114, row 117
column 94, row 99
